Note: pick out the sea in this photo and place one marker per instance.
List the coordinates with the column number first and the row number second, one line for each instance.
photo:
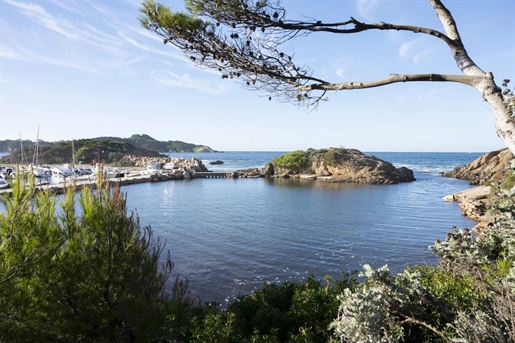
column 228, row 237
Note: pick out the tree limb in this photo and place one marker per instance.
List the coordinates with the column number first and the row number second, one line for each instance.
column 392, row 78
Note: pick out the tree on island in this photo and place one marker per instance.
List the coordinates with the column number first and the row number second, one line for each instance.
column 244, row 39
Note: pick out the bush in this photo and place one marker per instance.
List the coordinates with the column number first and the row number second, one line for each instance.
column 468, row 297
column 84, row 272
column 292, row 160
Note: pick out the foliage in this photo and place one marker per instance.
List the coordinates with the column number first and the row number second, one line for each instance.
column 86, row 150
column 83, row 271
column 287, row 312
column 108, row 149
column 468, row 297
column 292, row 160
column 509, row 98
column 148, row 143
column 329, row 156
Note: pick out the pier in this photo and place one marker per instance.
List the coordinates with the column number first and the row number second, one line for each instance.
column 210, row 175
column 58, row 188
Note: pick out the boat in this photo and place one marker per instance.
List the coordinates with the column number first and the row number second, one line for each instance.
column 171, row 166
column 152, row 169
column 3, row 183
column 6, row 172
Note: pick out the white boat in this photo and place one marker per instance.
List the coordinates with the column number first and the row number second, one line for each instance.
column 3, row 183
column 6, row 172
column 171, row 166
column 152, row 169
column 40, row 171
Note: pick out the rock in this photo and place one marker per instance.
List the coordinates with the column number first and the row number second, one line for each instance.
column 205, row 149
column 490, row 167
column 338, row 165
column 475, row 205
column 194, row 164
column 216, row 162
column 246, row 173
column 268, row 170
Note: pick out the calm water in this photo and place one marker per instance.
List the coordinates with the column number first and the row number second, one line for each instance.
column 228, row 236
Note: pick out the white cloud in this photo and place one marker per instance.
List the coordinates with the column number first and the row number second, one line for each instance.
column 39, row 15
column 366, row 8
column 170, row 79
column 415, row 50
column 5, row 52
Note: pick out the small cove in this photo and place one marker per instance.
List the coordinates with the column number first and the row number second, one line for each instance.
column 228, row 236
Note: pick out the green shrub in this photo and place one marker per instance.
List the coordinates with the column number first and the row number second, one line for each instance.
column 86, row 272
column 292, row 160
column 468, row 297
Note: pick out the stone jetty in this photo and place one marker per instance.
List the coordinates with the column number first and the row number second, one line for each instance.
column 181, row 163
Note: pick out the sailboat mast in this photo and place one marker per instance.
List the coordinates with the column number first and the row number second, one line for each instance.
column 22, row 153
column 35, row 158
column 73, row 153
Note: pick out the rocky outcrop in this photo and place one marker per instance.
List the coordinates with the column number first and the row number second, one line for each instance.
column 204, row 149
column 490, row 167
column 181, row 163
column 337, row 165
column 246, row 173
column 475, row 205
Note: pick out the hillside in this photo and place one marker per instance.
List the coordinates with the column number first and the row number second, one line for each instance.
column 107, row 149
column 146, row 142
column 142, row 141
column 86, row 151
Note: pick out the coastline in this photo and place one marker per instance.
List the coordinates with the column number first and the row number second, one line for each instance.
column 475, row 205
column 136, row 177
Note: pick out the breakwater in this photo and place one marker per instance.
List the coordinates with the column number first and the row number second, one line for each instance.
column 59, row 188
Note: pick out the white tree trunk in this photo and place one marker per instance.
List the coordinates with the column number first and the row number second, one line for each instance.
column 504, row 124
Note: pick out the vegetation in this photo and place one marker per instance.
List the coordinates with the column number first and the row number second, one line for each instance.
column 81, row 271
column 468, row 297
column 80, row 268
column 86, row 150
column 329, row 156
column 107, row 149
column 291, row 160
column 149, row 143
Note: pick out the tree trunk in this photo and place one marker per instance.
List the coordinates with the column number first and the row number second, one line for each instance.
column 504, row 124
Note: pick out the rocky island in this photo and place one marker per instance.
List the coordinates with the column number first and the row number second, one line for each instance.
column 332, row 165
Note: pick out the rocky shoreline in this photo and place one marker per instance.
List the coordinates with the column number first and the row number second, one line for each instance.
column 490, row 168
column 475, row 205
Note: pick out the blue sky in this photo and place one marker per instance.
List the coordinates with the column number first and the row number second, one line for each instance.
column 87, row 68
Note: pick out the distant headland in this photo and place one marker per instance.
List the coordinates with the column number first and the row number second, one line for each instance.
column 105, row 149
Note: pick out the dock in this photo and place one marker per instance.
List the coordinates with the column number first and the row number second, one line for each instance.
column 59, row 188
column 210, row 175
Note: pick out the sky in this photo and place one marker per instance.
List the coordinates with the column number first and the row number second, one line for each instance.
column 87, row 68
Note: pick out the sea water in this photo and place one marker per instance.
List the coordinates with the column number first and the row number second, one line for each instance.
column 229, row 236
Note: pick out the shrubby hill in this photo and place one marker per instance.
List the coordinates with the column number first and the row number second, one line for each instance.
column 107, row 149
column 10, row 145
column 86, row 150
column 146, row 142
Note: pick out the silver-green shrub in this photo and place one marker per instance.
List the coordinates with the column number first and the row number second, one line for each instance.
column 468, row 297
